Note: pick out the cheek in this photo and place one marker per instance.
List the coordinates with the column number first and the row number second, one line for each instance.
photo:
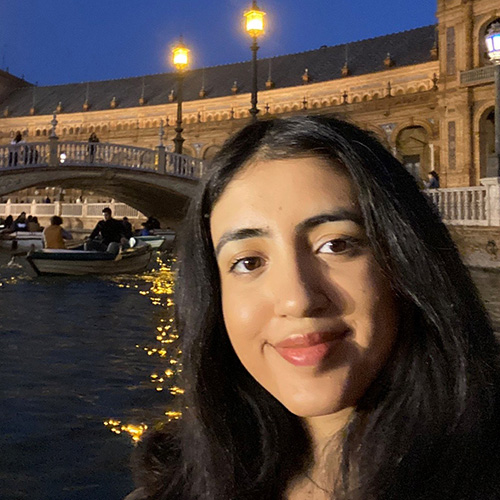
column 245, row 314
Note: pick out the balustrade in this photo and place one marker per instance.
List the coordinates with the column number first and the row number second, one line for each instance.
column 461, row 206
column 70, row 153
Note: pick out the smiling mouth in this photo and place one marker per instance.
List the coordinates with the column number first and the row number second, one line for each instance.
column 310, row 349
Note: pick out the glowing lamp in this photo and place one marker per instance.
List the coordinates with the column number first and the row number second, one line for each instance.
column 180, row 56
column 254, row 21
column 492, row 40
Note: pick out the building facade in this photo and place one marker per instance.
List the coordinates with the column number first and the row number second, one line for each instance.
column 427, row 93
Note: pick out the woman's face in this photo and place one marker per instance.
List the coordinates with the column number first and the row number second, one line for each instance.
column 306, row 307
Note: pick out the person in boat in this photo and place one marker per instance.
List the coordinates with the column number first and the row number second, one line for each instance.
column 34, row 225
column 8, row 225
column 128, row 230
column 21, row 222
column 107, row 231
column 54, row 236
column 151, row 224
column 318, row 360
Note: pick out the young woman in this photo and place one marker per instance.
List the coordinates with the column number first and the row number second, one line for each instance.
column 320, row 361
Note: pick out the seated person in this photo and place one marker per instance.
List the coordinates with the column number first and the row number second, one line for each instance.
column 107, row 231
column 34, row 225
column 128, row 230
column 54, row 235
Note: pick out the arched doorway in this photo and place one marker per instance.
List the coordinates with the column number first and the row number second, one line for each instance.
column 487, row 144
column 412, row 147
column 210, row 153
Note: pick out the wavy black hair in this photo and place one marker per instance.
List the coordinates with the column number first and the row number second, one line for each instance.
column 426, row 428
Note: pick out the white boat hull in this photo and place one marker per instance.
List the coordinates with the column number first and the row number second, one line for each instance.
column 74, row 263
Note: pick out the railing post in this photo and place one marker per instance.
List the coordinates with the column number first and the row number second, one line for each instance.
column 57, row 208
column 8, row 207
column 492, row 199
column 162, row 159
column 53, row 156
column 33, row 208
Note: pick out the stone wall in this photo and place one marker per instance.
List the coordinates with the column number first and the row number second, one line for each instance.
column 479, row 246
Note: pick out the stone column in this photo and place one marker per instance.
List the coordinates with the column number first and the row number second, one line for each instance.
column 162, row 159
column 492, row 200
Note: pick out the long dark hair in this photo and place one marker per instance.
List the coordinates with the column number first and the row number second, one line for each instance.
column 426, row 427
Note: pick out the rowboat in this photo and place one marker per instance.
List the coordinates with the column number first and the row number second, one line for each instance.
column 85, row 262
column 160, row 240
column 21, row 240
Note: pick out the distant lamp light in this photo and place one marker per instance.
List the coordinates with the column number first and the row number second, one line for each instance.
column 62, row 157
column 492, row 40
column 254, row 21
column 180, row 55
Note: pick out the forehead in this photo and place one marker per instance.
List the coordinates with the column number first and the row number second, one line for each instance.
column 285, row 190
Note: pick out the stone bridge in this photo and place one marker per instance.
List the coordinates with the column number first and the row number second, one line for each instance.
column 152, row 181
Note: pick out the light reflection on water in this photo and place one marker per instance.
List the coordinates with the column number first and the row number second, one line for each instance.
column 78, row 353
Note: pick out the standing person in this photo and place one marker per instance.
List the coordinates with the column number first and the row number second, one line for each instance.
column 318, row 361
column 54, row 235
column 93, row 140
column 15, row 149
column 106, row 231
column 433, row 180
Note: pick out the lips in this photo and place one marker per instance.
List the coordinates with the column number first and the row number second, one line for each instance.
column 309, row 349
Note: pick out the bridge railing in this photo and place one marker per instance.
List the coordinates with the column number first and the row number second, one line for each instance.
column 79, row 210
column 109, row 155
column 24, row 154
column 71, row 153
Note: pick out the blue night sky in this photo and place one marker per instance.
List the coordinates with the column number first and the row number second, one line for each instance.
column 61, row 41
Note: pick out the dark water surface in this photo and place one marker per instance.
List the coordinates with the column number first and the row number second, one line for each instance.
column 77, row 352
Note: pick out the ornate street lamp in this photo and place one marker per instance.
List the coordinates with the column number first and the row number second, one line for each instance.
column 492, row 40
column 254, row 25
column 180, row 59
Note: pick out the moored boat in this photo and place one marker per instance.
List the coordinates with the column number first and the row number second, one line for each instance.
column 21, row 240
column 161, row 240
column 83, row 262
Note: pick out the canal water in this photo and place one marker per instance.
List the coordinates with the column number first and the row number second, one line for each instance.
column 84, row 362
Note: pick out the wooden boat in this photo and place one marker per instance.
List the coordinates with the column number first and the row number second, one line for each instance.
column 160, row 240
column 83, row 262
column 21, row 240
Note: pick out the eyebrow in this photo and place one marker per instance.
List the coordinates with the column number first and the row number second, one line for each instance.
column 240, row 234
column 304, row 226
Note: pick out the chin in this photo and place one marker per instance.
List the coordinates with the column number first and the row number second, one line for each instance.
column 314, row 407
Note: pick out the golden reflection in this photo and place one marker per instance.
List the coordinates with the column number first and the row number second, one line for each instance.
column 164, row 345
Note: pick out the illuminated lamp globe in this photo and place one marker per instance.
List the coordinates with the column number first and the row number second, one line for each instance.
column 254, row 21
column 492, row 40
column 180, row 56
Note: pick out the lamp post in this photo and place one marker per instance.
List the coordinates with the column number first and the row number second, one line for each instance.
column 492, row 40
column 180, row 60
column 254, row 25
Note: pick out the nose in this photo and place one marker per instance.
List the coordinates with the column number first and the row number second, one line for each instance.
column 298, row 290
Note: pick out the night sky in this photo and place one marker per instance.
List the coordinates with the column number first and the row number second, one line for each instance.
column 60, row 41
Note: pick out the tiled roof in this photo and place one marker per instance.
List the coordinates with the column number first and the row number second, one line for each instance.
column 323, row 64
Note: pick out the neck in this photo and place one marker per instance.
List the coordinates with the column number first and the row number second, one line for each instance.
column 326, row 436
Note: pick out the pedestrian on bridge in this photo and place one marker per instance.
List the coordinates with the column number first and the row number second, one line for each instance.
column 93, row 140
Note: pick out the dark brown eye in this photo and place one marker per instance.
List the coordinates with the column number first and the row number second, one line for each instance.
column 247, row 264
column 337, row 246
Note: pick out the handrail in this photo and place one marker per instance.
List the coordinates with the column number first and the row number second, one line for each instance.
column 55, row 153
